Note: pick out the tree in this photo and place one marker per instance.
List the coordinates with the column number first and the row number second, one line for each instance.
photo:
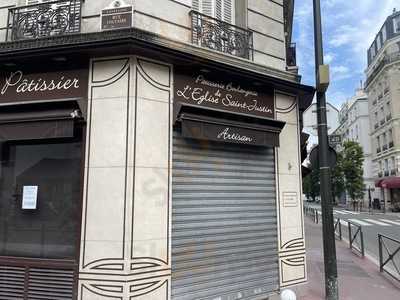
column 311, row 184
column 352, row 165
column 338, row 185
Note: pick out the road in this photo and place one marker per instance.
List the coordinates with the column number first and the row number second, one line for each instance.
column 372, row 225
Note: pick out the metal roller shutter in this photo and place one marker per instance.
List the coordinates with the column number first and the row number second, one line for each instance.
column 224, row 223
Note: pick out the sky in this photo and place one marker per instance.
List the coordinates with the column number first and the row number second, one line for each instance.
column 349, row 27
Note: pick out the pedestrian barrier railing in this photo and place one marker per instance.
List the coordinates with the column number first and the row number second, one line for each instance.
column 338, row 229
column 356, row 238
column 391, row 255
column 313, row 213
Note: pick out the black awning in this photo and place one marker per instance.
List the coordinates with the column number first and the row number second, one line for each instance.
column 38, row 121
column 216, row 125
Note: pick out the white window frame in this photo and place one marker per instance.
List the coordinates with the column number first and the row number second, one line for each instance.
column 396, row 24
column 214, row 9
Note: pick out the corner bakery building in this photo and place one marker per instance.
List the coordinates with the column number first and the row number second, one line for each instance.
column 153, row 174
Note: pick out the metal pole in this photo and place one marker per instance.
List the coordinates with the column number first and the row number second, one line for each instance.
column 331, row 284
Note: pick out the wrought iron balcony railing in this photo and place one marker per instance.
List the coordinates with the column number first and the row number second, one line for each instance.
column 221, row 36
column 44, row 20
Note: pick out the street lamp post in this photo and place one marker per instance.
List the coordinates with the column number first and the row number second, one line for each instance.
column 331, row 285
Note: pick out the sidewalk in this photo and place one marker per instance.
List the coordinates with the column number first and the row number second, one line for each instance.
column 359, row 279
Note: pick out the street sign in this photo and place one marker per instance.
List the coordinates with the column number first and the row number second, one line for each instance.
column 314, row 159
column 335, row 139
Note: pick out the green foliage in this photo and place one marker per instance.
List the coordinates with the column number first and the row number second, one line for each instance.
column 352, row 167
column 311, row 184
column 338, row 182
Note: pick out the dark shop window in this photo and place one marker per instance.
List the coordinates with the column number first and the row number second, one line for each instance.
column 40, row 192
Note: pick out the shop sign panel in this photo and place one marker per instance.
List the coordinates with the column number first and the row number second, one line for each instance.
column 222, row 91
column 19, row 86
column 229, row 134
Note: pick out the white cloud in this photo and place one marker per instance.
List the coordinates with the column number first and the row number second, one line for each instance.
column 349, row 28
column 328, row 58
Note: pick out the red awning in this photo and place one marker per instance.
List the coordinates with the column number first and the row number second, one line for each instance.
column 378, row 183
column 391, row 183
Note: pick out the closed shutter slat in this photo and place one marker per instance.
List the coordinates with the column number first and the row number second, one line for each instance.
column 224, row 223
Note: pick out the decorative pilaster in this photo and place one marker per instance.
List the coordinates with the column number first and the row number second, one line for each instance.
column 291, row 239
column 126, row 209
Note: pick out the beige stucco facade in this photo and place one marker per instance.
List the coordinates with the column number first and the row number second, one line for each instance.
column 125, row 244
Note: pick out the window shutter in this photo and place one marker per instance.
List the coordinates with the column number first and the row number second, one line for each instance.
column 227, row 11
column 207, row 7
column 218, row 9
column 196, row 5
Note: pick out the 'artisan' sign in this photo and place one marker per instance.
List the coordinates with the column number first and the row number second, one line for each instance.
column 229, row 134
column 212, row 90
column 116, row 18
column 17, row 86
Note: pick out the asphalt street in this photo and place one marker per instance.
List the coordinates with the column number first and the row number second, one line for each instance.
column 372, row 224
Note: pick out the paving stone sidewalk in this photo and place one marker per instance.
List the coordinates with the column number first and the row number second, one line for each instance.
column 359, row 278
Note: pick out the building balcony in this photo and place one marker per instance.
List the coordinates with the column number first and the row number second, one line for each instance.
column 388, row 59
column 391, row 145
column 221, row 36
column 44, row 20
column 291, row 55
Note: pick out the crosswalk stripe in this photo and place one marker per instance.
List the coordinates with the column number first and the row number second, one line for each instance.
column 390, row 221
column 352, row 212
column 360, row 222
column 377, row 222
column 340, row 212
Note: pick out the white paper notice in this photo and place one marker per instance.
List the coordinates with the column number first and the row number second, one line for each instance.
column 29, row 197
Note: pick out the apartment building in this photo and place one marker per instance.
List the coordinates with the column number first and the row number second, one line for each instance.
column 382, row 86
column 150, row 150
column 354, row 126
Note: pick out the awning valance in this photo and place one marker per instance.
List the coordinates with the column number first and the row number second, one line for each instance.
column 38, row 121
column 218, row 125
column 391, row 183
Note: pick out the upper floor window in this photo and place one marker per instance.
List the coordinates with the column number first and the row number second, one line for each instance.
column 396, row 24
column 223, row 10
column 384, row 33
column 378, row 41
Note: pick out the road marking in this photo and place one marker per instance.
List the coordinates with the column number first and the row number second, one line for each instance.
column 377, row 222
column 391, row 222
column 360, row 222
column 352, row 212
column 341, row 212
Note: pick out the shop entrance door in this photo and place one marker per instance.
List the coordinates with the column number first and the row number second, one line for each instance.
column 40, row 199
column 224, row 221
